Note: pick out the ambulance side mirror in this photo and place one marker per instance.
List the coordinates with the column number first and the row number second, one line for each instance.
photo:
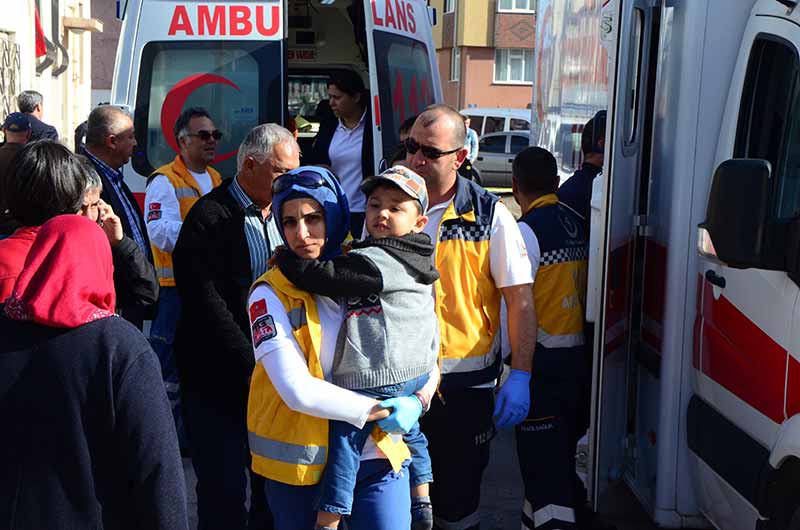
column 737, row 215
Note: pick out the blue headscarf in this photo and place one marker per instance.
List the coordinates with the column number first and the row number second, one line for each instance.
column 332, row 199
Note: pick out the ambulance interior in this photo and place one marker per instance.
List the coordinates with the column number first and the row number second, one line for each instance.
column 323, row 39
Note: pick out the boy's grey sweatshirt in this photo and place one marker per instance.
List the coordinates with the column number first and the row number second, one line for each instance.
column 390, row 333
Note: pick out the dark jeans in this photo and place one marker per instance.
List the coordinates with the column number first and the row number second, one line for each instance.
column 162, row 339
column 346, row 443
column 220, row 456
column 381, row 502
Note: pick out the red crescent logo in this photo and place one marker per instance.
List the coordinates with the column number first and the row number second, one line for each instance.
column 176, row 98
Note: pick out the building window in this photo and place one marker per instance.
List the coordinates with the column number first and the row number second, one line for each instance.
column 515, row 5
column 449, row 6
column 513, row 65
column 455, row 63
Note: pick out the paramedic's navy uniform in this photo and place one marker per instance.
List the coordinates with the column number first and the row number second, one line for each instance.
column 557, row 247
column 576, row 192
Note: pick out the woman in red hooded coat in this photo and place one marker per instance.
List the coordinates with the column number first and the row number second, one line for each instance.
column 88, row 438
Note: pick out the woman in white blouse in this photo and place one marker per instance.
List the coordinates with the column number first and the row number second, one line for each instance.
column 344, row 143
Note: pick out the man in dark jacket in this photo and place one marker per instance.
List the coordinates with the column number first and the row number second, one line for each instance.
column 110, row 142
column 135, row 280
column 31, row 103
column 224, row 245
column 576, row 192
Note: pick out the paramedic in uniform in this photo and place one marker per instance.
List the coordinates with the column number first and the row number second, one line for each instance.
column 576, row 192
column 171, row 191
column 558, row 251
column 482, row 259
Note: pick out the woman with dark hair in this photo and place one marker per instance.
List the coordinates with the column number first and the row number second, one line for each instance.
column 294, row 341
column 88, row 439
column 344, row 142
column 49, row 180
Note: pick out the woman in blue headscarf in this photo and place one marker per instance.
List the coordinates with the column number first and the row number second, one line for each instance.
column 294, row 338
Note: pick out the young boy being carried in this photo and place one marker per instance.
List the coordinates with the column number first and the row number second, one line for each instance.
column 389, row 341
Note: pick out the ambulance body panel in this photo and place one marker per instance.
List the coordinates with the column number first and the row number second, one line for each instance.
column 250, row 62
column 696, row 388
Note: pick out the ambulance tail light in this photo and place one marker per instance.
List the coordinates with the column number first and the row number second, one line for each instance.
column 737, row 226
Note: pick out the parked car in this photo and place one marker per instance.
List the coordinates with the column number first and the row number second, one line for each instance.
column 496, row 152
column 490, row 120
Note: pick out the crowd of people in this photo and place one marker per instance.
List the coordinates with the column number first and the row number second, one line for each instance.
column 331, row 338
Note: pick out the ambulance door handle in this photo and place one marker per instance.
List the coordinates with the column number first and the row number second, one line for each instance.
column 715, row 279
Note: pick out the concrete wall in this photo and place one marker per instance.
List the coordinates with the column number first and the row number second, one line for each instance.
column 66, row 96
column 104, row 44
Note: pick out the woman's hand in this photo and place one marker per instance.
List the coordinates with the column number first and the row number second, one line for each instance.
column 377, row 413
column 110, row 223
column 406, row 412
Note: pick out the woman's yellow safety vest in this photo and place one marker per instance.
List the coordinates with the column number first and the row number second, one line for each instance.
column 288, row 446
column 188, row 192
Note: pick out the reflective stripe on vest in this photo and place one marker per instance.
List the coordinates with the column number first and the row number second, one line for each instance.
column 559, row 341
column 185, row 193
column 304, row 455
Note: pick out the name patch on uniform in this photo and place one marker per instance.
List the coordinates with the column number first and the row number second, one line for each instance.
column 263, row 330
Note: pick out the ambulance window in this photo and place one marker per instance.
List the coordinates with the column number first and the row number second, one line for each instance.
column 235, row 81
column 634, row 76
column 405, row 82
column 768, row 117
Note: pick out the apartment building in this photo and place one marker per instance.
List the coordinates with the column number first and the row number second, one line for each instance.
column 485, row 51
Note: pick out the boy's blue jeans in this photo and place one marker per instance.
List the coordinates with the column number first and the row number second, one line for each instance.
column 346, row 443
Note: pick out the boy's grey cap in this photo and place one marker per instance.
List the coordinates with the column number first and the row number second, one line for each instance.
column 403, row 178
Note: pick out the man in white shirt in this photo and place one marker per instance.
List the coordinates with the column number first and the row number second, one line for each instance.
column 482, row 260
column 171, row 191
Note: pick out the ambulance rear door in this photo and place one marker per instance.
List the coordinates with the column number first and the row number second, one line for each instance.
column 403, row 75
column 226, row 57
column 612, row 295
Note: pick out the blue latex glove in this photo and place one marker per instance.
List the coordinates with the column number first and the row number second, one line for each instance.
column 513, row 400
column 406, row 412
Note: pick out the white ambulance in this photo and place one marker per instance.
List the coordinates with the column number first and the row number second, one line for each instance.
column 695, row 258
column 250, row 62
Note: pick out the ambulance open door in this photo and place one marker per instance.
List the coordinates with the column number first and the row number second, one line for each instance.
column 403, row 75
column 612, row 298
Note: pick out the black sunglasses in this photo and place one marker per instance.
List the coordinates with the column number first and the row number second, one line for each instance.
column 207, row 135
column 306, row 179
column 429, row 152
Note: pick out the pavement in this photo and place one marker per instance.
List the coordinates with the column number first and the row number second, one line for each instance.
column 502, row 494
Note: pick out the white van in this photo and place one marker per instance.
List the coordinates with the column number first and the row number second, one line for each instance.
column 488, row 120
column 250, row 62
column 694, row 263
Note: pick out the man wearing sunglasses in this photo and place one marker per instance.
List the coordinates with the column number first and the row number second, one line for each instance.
column 171, row 191
column 482, row 261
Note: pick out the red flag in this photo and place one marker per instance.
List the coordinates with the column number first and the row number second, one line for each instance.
column 41, row 47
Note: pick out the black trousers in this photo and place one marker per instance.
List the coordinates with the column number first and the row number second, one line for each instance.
column 221, row 459
column 459, row 432
column 546, row 440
